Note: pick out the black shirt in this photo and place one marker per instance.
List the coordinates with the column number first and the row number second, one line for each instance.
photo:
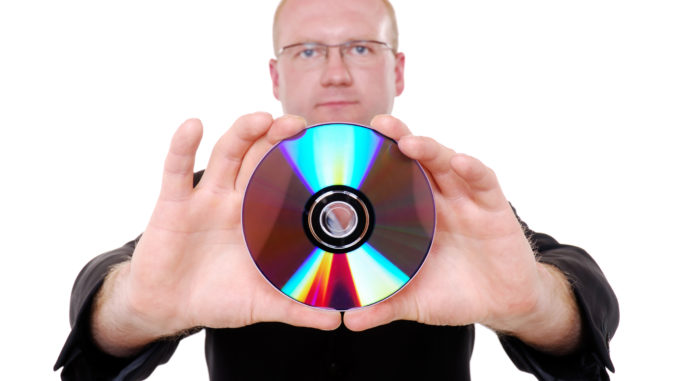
column 401, row 350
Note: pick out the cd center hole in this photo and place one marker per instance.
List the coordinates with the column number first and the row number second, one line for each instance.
column 338, row 219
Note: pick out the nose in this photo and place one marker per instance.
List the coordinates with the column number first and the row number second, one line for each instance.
column 336, row 72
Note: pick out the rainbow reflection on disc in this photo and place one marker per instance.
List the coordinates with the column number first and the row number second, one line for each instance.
column 337, row 217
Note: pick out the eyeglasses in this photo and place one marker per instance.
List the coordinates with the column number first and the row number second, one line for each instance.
column 356, row 52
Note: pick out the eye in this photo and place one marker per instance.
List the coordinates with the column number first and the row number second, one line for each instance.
column 307, row 53
column 360, row 50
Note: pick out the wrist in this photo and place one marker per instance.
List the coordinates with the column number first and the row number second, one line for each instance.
column 553, row 323
column 119, row 326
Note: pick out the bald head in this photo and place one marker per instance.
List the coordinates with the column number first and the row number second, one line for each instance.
column 335, row 88
column 289, row 6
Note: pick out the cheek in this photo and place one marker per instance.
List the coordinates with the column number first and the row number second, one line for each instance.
column 296, row 88
column 377, row 88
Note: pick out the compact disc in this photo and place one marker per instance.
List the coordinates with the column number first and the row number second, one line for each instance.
column 337, row 217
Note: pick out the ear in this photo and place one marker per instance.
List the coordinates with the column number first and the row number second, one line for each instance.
column 273, row 69
column 400, row 73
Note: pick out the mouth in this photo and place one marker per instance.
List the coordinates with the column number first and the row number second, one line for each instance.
column 336, row 103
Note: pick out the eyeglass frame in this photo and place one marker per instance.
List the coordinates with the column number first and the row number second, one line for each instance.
column 340, row 45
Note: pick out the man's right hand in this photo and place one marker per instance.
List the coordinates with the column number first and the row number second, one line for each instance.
column 191, row 267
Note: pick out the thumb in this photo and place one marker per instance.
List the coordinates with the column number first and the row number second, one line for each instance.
column 279, row 308
column 360, row 319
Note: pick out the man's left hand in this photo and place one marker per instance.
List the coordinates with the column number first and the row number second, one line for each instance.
column 481, row 267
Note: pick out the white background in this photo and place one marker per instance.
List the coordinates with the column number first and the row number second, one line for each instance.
column 573, row 104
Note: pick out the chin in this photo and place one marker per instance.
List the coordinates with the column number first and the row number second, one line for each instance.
column 340, row 118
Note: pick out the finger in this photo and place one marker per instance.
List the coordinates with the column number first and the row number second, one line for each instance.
column 481, row 180
column 436, row 159
column 390, row 126
column 177, row 178
column 227, row 155
column 281, row 309
column 373, row 316
column 282, row 128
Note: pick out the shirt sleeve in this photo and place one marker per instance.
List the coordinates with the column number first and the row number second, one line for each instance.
column 80, row 357
column 599, row 311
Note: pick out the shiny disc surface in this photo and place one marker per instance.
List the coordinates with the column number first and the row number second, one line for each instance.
column 337, row 217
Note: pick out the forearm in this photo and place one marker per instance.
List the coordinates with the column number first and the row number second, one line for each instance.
column 116, row 328
column 554, row 323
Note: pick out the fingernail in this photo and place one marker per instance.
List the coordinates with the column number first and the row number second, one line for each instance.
column 297, row 117
column 379, row 116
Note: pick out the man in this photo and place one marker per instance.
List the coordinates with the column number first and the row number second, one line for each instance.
column 336, row 61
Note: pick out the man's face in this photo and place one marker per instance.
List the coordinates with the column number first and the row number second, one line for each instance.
column 336, row 90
